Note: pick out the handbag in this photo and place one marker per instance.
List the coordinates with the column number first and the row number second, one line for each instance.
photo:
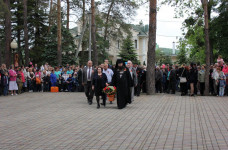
column 183, row 79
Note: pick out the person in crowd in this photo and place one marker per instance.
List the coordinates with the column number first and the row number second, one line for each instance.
column 177, row 77
column 220, row 61
column 196, row 79
column 143, row 83
column 46, row 81
column 107, row 62
column 19, row 83
column 70, row 71
column 172, row 80
column 38, row 80
column 5, row 83
column 183, row 73
column 69, row 82
column 201, row 79
column 64, row 80
column 133, row 80
column 122, row 81
column 139, row 79
column 87, row 78
column 215, row 76
column 3, row 70
column 108, row 72
column 164, row 79
column 211, row 84
column 57, row 72
column 24, row 89
column 158, row 80
column 222, row 83
column 100, row 81
column 53, row 78
column 222, row 76
column 12, row 82
column 79, row 74
column 102, row 66
column 75, row 81
column 225, row 71
column 192, row 79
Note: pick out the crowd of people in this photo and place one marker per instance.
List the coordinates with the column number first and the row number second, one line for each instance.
column 128, row 78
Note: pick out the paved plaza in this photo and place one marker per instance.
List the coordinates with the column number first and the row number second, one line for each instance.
column 64, row 121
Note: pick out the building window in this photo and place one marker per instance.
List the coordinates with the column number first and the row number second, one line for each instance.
column 136, row 46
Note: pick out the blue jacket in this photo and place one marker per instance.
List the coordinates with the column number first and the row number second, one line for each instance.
column 53, row 78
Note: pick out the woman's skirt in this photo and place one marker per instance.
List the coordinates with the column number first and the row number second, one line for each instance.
column 13, row 85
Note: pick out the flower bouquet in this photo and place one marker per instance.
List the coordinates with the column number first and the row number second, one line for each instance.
column 110, row 91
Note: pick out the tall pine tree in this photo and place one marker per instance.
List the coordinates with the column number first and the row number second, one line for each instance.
column 128, row 51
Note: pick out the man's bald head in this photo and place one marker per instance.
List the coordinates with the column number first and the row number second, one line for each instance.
column 90, row 63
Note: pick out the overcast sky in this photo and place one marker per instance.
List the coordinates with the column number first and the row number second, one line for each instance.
column 168, row 27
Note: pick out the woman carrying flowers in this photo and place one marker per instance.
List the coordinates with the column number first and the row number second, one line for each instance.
column 99, row 83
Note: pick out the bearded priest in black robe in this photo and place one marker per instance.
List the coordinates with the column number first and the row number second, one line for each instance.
column 122, row 81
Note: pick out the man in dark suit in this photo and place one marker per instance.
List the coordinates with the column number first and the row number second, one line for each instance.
column 87, row 79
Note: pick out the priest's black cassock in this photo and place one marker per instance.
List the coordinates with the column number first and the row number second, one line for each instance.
column 122, row 80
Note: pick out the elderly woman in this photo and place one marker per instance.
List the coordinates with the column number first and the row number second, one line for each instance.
column 12, row 83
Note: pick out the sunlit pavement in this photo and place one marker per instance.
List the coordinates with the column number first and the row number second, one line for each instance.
column 62, row 121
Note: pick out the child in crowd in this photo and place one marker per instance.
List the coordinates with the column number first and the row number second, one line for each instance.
column 222, row 85
column 19, row 83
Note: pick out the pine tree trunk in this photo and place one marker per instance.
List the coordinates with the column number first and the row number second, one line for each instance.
column 26, row 33
column 50, row 17
column 207, row 42
column 68, row 14
column 150, row 76
column 94, row 34
column 82, row 54
column 7, row 34
column 59, row 51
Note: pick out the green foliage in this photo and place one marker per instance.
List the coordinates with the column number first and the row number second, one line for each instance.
column 127, row 51
column 219, row 31
column 182, row 55
column 68, row 47
column 159, row 56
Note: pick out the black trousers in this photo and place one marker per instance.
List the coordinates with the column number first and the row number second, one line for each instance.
column 137, row 90
column 195, row 88
column 172, row 87
column 88, row 91
column 103, row 98
column 202, row 88
column 158, row 86
column 184, row 88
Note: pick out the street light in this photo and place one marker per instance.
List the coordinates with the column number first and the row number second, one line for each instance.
column 14, row 46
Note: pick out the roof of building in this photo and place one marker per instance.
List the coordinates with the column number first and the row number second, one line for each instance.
column 168, row 51
column 74, row 31
column 142, row 29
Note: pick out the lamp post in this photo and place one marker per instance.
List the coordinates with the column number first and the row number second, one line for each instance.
column 14, row 46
